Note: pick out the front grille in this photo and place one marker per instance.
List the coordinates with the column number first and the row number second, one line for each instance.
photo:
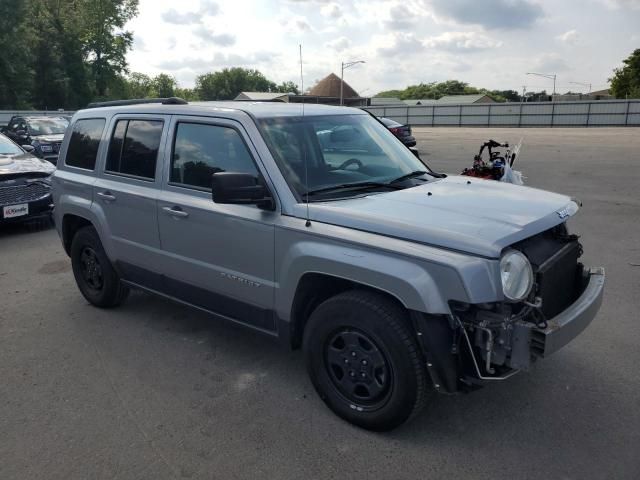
column 554, row 257
column 25, row 193
column 558, row 279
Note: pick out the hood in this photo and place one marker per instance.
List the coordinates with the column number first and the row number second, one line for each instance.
column 54, row 138
column 12, row 165
column 476, row 216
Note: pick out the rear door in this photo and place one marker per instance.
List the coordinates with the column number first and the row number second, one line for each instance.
column 126, row 192
column 218, row 257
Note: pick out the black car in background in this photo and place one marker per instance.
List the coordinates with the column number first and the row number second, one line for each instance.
column 25, row 184
column 44, row 133
column 403, row 132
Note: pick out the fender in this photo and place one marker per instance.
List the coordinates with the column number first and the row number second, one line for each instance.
column 408, row 281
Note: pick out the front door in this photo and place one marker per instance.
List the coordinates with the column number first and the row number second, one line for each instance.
column 217, row 257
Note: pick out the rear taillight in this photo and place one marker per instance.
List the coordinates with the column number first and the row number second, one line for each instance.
column 395, row 130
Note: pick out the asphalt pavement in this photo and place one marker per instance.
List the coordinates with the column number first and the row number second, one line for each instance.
column 155, row 390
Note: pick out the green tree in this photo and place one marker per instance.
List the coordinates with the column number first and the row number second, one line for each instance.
column 229, row 82
column 15, row 59
column 625, row 82
column 104, row 41
column 287, row 87
column 164, row 85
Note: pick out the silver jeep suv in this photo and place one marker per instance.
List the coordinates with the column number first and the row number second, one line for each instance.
column 316, row 226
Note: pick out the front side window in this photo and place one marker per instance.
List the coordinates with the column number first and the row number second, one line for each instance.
column 322, row 152
column 84, row 143
column 134, row 146
column 201, row 150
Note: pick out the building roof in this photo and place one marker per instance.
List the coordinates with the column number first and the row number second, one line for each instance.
column 329, row 86
column 263, row 96
column 421, row 101
column 458, row 99
column 601, row 92
column 386, row 101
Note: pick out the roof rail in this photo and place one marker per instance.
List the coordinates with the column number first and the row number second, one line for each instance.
column 138, row 101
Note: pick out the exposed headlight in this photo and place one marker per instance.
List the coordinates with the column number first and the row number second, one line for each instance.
column 516, row 274
column 46, row 148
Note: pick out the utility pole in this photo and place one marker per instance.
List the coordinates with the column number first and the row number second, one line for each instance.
column 524, row 90
column 584, row 85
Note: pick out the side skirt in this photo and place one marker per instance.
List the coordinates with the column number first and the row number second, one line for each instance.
column 220, row 306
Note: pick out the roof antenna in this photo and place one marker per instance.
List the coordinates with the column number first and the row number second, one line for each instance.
column 304, row 150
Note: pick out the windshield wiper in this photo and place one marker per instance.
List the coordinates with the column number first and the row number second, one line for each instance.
column 349, row 186
column 417, row 173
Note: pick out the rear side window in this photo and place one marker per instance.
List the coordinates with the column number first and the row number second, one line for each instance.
column 201, row 150
column 84, row 143
column 134, row 148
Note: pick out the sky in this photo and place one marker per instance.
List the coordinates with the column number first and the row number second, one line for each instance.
column 486, row 43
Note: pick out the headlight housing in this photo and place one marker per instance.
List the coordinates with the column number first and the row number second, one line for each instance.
column 516, row 274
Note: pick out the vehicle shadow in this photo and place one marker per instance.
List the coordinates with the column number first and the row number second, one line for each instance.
column 27, row 227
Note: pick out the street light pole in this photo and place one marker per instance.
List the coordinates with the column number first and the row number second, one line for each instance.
column 551, row 76
column 343, row 66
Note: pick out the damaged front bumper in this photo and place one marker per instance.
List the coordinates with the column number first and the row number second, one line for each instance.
column 568, row 324
column 514, row 345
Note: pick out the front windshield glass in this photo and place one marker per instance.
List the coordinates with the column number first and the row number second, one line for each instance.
column 47, row 126
column 337, row 150
column 7, row 147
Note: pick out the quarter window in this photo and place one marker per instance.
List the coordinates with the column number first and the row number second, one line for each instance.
column 134, row 148
column 84, row 143
column 201, row 150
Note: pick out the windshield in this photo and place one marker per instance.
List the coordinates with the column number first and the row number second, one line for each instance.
column 338, row 150
column 7, row 147
column 47, row 126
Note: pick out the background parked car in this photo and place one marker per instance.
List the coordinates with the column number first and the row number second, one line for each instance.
column 403, row 132
column 44, row 133
column 25, row 185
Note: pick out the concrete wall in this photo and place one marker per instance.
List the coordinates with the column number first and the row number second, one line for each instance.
column 601, row 113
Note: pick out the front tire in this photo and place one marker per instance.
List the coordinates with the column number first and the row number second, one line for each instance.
column 96, row 278
column 364, row 361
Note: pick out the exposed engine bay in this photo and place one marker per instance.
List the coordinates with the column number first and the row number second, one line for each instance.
column 505, row 335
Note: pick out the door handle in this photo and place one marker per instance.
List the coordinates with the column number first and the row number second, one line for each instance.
column 108, row 196
column 175, row 212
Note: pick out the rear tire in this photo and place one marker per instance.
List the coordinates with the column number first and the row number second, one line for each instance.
column 95, row 276
column 364, row 361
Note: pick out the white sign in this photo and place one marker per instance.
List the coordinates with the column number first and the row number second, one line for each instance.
column 15, row 210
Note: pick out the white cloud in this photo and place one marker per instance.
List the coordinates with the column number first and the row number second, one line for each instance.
column 209, row 36
column 401, row 44
column 550, row 63
column 623, row 4
column 177, row 18
column 570, row 37
column 332, row 10
column 339, row 44
column 462, row 42
column 502, row 14
column 487, row 43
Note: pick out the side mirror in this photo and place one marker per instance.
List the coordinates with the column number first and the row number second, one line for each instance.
column 240, row 188
column 28, row 148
